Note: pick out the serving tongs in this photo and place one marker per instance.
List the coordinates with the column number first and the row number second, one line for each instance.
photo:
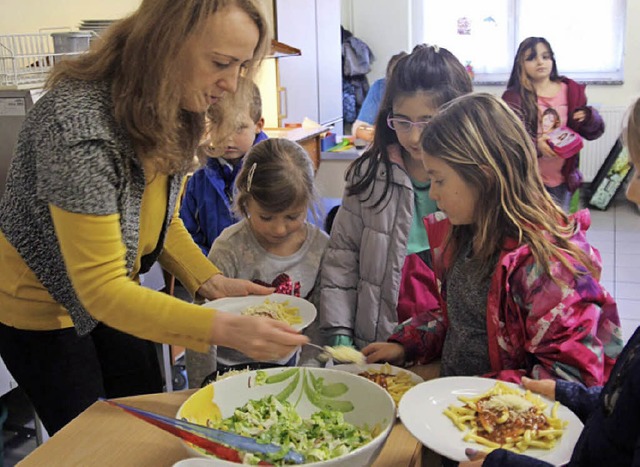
column 220, row 443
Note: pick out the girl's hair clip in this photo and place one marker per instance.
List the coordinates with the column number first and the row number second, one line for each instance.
column 436, row 48
column 252, row 170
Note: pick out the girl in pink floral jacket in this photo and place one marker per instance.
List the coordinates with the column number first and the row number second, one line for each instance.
column 520, row 282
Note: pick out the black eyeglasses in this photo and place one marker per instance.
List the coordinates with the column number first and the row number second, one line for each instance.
column 402, row 125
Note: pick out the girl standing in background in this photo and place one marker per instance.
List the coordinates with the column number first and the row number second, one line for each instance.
column 273, row 244
column 375, row 272
column 535, row 86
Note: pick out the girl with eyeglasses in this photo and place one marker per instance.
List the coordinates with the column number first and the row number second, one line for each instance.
column 375, row 272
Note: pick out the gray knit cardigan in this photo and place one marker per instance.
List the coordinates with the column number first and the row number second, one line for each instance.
column 72, row 154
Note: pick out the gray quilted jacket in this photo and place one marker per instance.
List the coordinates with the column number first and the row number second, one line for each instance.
column 362, row 266
column 71, row 153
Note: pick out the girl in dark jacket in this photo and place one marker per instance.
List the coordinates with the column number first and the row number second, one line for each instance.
column 535, row 86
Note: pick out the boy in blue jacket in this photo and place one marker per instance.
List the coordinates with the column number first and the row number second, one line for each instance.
column 206, row 206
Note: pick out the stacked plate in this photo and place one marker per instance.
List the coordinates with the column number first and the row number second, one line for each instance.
column 96, row 25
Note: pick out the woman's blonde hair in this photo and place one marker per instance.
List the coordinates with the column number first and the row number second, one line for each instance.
column 277, row 174
column 484, row 141
column 140, row 56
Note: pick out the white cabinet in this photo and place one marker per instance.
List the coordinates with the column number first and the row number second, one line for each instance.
column 310, row 84
column 330, row 61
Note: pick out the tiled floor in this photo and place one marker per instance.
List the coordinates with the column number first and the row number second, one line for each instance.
column 615, row 232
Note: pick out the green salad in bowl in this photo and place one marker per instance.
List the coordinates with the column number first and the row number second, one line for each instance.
column 329, row 416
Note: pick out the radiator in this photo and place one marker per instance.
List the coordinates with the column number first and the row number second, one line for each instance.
column 595, row 152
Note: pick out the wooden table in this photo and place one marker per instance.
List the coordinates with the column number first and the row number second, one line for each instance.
column 107, row 436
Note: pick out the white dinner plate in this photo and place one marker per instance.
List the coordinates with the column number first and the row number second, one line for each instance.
column 421, row 412
column 236, row 305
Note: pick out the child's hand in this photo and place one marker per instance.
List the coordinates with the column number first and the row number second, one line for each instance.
column 544, row 148
column 579, row 115
column 384, row 352
column 544, row 387
column 476, row 458
column 220, row 286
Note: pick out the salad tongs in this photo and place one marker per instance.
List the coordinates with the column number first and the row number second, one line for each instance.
column 220, row 443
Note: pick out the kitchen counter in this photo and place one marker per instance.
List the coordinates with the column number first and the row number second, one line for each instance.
column 308, row 138
column 330, row 175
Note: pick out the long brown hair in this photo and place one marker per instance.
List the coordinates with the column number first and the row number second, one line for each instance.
column 427, row 68
column 484, row 141
column 139, row 55
column 519, row 80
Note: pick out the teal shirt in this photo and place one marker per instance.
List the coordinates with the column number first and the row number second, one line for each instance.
column 422, row 207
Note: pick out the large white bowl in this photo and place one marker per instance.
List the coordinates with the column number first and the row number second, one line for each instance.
column 364, row 403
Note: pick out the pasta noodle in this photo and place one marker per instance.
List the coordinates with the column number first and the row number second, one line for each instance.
column 275, row 310
column 396, row 385
column 507, row 418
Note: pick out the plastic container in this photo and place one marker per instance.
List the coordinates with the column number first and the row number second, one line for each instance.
column 71, row 42
column 565, row 142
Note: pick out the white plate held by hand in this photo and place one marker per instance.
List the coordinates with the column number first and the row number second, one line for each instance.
column 421, row 412
column 237, row 305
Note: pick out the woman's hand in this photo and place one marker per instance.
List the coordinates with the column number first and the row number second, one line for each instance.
column 544, row 148
column 544, row 387
column 476, row 458
column 262, row 339
column 220, row 286
column 391, row 352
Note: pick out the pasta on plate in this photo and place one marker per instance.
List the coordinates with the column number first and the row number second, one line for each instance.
column 396, row 384
column 281, row 311
column 508, row 418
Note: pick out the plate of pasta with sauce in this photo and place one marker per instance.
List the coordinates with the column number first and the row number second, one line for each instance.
column 451, row 414
column 397, row 381
column 297, row 312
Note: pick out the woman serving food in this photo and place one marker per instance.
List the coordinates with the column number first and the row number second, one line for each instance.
column 91, row 203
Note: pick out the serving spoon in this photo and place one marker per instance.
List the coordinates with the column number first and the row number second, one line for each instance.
column 341, row 353
column 222, row 444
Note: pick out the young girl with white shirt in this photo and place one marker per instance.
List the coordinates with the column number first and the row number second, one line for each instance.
column 272, row 245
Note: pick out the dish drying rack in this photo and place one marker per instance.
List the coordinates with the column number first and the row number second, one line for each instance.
column 26, row 59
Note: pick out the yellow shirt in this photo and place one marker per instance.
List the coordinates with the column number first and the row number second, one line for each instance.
column 95, row 260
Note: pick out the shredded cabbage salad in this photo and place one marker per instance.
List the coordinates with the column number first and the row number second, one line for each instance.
column 325, row 435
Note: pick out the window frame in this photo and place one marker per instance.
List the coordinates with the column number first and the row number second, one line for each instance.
column 609, row 77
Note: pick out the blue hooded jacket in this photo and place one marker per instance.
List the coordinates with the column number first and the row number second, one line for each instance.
column 206, row 205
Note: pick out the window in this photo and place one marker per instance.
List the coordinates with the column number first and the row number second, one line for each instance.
column 587, row 36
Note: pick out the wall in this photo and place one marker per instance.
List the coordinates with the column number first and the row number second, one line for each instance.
column 386, row 26
column 402, row 31
column 29, row 16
